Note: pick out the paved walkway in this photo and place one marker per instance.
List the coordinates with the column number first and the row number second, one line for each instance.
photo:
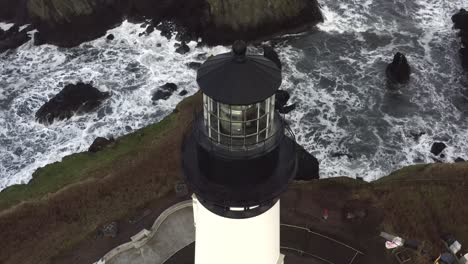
column 173, row 234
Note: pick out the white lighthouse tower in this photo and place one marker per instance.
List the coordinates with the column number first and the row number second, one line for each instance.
column 238, row 159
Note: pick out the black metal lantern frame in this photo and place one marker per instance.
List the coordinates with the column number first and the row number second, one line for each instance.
column 239, row 126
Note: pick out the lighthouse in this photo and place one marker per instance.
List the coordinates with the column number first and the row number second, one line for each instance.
column 238, row 158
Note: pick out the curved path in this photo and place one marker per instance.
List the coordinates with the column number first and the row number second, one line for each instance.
column 172, row 231
column 172, row 236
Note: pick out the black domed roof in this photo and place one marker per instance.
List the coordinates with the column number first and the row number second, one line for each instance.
column 238, row 79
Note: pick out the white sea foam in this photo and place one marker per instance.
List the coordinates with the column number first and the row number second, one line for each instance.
column 346, row 116
column 130, row 67
column 5, row 26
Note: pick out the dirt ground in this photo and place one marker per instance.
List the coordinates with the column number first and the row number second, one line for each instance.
column 299, row 206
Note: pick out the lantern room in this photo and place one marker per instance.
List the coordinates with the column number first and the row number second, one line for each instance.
column 239, row 99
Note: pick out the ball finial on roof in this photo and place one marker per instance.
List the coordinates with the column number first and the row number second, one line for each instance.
column 239, row 48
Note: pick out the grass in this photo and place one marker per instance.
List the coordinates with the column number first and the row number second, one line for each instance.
column 81, row 166
column 66, row 201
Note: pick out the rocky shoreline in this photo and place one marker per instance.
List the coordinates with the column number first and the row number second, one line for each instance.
column 66, row 202
column 68, row 24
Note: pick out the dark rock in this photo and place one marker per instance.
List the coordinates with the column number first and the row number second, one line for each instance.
column 167, row 28
column 110, row 37
column 38, row 39
column 270, row 53
column 99, row 144
column 399, row 70
column 149, row 30
column 164, row 92
column 459, row 160
column 128, row 128
column 460, row 19
column 464, row 57
column 341, row 154
column 74, row 98
column 194, row 65
column 183, row 93
column 308, row 165
column 14, row 11
column 281, row 99
column 158, row 45
column 69, row 23
column 183, row 48
column 287, row 109
column 437, row 148
column 417, row 135
column 464, row 38
column 13, row 38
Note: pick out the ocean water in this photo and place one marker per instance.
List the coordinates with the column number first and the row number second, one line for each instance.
column 348, row 116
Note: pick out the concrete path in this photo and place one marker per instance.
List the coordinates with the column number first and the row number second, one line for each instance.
column 172, row 231
column 172, row 236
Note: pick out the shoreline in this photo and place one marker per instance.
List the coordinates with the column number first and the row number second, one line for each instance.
column 67, row 202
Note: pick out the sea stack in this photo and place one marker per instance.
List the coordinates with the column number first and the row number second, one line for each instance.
column 399, row 70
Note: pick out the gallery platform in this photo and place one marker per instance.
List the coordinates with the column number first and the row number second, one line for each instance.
column 171, row 240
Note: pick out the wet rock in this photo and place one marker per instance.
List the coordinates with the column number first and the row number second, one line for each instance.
column 341, row 154
column 270, row 53
column 13, row 38
column 194, row 65
column 287, row 109
column 167, row 28
column 38, row 39
column 14, row 11
column 99, row 144
column 110, row 37
column 464, row 37
column 460, row 20
column 164, row 92
column 183, row 93
column 183, row 48
column 399, row 70
column 464, row 58
column 459, row 160
column 437, row 148
column 417, row 135
column 281, row 100
column 69, row 23
column 149, row 30
column 73, row 99
column 308, row 165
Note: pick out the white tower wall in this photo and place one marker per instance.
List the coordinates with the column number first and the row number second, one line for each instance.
column 224, row 240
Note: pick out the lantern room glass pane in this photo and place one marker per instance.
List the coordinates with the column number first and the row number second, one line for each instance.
column 239, row 126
